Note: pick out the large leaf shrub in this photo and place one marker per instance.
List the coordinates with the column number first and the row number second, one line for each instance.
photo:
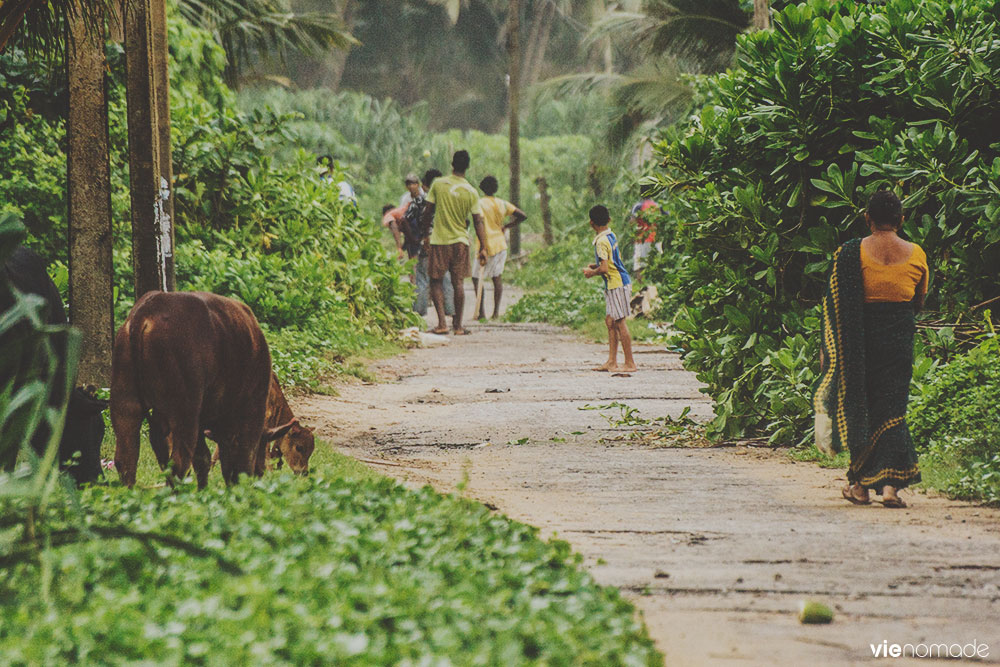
column 772, row 174
column 319, row 570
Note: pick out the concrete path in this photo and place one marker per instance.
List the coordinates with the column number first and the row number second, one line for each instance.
column 716, row 546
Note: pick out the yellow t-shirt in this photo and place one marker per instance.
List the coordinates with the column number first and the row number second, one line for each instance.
column 495, row 211
column 606, row 247
column 454, row 201
column 894, row 283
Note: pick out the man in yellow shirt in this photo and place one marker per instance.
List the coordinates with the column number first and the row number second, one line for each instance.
column 449, row 203
column 495, row 211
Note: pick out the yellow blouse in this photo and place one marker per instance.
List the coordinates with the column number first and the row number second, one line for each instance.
column 894, row 282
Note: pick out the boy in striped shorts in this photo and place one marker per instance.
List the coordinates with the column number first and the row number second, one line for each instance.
column 617, row 289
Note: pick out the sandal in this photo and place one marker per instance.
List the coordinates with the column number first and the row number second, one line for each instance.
column 461, row 332
column 439, row 332
column 851, row 498
column 893, row 503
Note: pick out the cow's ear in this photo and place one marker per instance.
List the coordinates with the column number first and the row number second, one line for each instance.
column 278, row 431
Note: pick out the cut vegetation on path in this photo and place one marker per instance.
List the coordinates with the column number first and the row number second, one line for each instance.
column 716, row 546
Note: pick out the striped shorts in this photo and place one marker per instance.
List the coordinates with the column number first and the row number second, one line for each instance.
column 616, row 302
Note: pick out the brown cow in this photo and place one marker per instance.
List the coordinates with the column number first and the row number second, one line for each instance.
column 297, row 445
column 190, row 362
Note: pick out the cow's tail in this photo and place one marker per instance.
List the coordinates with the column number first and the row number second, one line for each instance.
column 137, row 341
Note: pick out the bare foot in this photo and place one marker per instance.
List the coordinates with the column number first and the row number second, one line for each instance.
column 607, row 368
column 629, row 368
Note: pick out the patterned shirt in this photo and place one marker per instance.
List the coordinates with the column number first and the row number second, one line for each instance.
column 606, row 248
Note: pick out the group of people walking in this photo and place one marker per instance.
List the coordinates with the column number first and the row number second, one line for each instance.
column 431, row 225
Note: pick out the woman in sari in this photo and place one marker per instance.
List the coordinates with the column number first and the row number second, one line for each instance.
column 876, row 286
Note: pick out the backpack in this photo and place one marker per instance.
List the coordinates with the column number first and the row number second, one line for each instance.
column 412, row 220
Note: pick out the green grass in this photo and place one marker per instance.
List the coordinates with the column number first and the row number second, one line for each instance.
column 813, row 455
column 341, row 567
column 149, row 475
column 557, row 293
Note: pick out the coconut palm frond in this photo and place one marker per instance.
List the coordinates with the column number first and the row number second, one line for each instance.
column 700, row 32
column 703, row 31
column 649, row 96
column 576, row 84
column 246, row 28
column 636, row 25
column 40, row 26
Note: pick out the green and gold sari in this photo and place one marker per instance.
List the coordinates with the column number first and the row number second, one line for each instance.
column 860, row 401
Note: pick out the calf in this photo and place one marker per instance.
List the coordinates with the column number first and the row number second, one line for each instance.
column 189, row 362
column 297, row 445
column 83, row 431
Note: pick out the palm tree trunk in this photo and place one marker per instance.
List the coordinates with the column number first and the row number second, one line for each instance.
column 514, row 102
column 338, row 59
column 88, row 187
column 761, row 14
column 538, row 42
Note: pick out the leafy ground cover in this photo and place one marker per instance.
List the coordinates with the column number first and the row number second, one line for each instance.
column 955, row 419
column 341, row 567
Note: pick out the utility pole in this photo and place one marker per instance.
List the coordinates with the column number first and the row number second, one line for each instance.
column 149, row 229
column 161, row 85
column 88, row 176
column 513, row 104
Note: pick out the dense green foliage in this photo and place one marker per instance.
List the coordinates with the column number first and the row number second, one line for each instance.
column 773, row 172
column 556, row 291
column 379, row 142
column 333, row 569
column 270, row 233
column 955, row 416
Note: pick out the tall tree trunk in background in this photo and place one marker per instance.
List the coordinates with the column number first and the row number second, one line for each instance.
column 543, row 202
column 161, row 88
column 334, row 71
column 761, row 14
column 538, row 41
column 148, row 262
column 606, row 47
column 513, row 104
column 88, row 176
column 116, row 23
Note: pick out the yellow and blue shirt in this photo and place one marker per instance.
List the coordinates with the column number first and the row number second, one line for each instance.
column 606, row 248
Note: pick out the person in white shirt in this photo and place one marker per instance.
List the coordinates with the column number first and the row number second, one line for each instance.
column 413, row 190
